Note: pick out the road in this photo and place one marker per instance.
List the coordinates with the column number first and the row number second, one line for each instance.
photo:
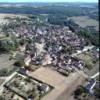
column 70, row 88
column 94, row 70
column 7, row 79
column 95, row 75
column 3, row 77
column 84, row 50
column 81, row 73
column 5, row 38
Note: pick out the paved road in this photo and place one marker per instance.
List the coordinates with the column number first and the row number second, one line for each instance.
column 95, row 75
column 3, row 78
column 81, row 73
column 84, row 50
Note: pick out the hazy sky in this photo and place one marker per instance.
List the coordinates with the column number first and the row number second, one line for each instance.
column 48, row 0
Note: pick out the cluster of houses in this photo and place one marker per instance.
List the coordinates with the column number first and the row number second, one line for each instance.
column 49, row 45
column 46, row 44
column 95, row 53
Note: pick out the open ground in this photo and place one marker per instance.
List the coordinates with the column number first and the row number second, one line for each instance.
column 61, row 84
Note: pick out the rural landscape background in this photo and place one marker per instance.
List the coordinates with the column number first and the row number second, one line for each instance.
column 49, row 50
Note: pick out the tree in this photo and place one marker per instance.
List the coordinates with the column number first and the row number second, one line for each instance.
column 19, row 63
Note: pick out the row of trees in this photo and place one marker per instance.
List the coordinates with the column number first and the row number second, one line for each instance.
column 57, row 19
column 91, row 36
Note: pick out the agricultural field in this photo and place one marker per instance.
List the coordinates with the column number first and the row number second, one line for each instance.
column 6, row 65
column 4, row 17
column 85, row 21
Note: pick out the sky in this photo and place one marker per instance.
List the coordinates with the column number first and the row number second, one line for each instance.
column 48, row 0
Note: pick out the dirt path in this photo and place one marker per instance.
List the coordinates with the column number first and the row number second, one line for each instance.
column 67, row 94
column 63, row 86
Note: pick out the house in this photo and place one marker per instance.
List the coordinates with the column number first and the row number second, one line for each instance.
column 90, row 86
column 27, row 60
column 43, row 88
column 47, row 60
column 22, row 71
column 22, row 48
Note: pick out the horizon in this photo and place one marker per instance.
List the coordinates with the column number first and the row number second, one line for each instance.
column 48, row 1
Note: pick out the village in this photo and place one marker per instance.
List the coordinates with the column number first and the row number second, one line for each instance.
column 40, row 50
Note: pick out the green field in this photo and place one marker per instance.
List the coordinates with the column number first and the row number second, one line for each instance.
column 85, row 21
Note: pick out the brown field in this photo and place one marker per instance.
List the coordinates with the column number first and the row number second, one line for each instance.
column 63, row 86
column 5, row 21
column 85, row 21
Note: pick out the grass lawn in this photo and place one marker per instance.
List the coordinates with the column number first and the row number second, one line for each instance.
column 6, row 65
